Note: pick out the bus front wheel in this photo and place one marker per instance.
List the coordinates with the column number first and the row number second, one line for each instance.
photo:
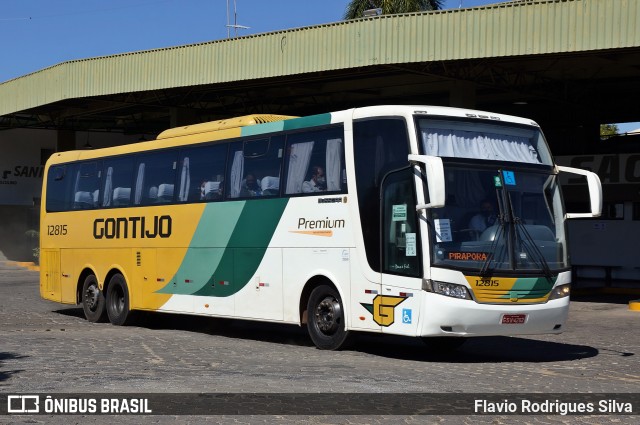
column 326, row 324
column 118, row 301
column 93, row 302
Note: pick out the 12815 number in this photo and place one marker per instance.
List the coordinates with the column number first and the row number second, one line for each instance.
column 56, row 229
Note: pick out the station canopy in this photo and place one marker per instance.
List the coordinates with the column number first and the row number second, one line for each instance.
column 565, row 64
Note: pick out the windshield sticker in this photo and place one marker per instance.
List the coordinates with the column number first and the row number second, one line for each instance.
column 399, row 212
column 443, row 230
column 410, row 249
column 467, row 256
column 509, row 178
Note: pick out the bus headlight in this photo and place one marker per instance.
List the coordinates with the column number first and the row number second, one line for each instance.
column 447, row 289
column 560, row 291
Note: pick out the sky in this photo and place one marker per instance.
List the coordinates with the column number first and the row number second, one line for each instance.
column 37, row 34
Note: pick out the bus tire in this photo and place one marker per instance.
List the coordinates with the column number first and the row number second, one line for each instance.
column 118, row 301
column 443, row 344
column 326, row 323
column 93, row 302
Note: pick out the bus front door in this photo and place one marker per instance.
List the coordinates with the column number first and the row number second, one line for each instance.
column 400, row 262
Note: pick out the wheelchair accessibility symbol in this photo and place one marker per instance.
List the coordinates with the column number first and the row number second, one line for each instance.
column 406, row 316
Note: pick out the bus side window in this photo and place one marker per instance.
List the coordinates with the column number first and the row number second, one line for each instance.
column 155, row 178
column 255, row 167
column 60, row 187
column 87, row 186
column 315, row 162
column 117, row 183
column 201, row 175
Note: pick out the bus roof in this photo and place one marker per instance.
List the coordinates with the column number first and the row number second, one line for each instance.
column 224, row 124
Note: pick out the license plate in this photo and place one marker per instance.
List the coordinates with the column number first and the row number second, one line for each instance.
column 513, row 319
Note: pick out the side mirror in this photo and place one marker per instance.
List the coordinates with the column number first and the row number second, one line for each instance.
column 435, row 179
column 595, row 192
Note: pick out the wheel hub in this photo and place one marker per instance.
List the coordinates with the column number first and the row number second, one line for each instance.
column 91, row 297
column 328, row 315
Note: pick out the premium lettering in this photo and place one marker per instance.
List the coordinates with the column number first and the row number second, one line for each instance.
column 132, row 227
column 327, row 223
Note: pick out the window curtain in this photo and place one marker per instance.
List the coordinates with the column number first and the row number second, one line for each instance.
column 108, row 188
column 237, row 172
column 76, row 186
column 185, row 180
column 334, row 164
column 480, row 145
column 298, row 165
column 139, row 184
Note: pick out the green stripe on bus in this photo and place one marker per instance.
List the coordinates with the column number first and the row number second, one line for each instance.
column 310, row 121
column 532, row 287
column 230, row 242
column 269, row 127
column 292, row 124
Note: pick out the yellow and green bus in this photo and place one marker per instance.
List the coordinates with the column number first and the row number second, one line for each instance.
column 433, row 222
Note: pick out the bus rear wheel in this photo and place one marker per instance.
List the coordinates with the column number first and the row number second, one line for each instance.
column 93, row 302
column 326, row 324
column 118, row 301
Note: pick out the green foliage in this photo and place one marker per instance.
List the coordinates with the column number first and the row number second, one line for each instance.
column 608, row 130
column 355, row 8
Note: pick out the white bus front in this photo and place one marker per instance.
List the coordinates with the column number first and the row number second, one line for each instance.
column 478, row 217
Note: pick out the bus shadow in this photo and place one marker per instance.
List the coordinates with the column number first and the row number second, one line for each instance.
column 476, row 350
column 497, row 349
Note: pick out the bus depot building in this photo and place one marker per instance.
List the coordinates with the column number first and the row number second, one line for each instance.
column 569, row 65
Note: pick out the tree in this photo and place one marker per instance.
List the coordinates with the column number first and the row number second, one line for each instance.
column 355, row 8
column 608, row 130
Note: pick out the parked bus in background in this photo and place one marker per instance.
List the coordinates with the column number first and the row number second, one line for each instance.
column 426, row 221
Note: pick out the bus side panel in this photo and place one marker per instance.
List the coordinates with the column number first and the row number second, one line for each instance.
column 363, row 292
column 50, row 274
column 303, row 264
column 69, row 272
column 144, row 280
column 167, row 284
column 262, row 296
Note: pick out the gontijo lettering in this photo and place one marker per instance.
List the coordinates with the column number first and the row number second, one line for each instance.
column 132, row 227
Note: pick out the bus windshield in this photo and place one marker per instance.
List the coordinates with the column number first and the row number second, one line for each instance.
column 499, row 218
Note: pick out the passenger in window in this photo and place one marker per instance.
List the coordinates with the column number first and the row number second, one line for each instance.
column 203, row 191
column 211, row 190
column 317, row 183
column 485, row 218
column 250, row 187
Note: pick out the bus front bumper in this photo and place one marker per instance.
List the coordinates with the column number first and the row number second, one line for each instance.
column 456, row 317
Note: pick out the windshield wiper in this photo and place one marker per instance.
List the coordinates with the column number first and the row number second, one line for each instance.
column 486, row 270
column 532, row 250
column 501, row 221
column 529, row 244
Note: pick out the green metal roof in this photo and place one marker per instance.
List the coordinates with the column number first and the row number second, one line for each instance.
column 507, row 29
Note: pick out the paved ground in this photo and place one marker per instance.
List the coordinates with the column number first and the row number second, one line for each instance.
column 50, row 348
